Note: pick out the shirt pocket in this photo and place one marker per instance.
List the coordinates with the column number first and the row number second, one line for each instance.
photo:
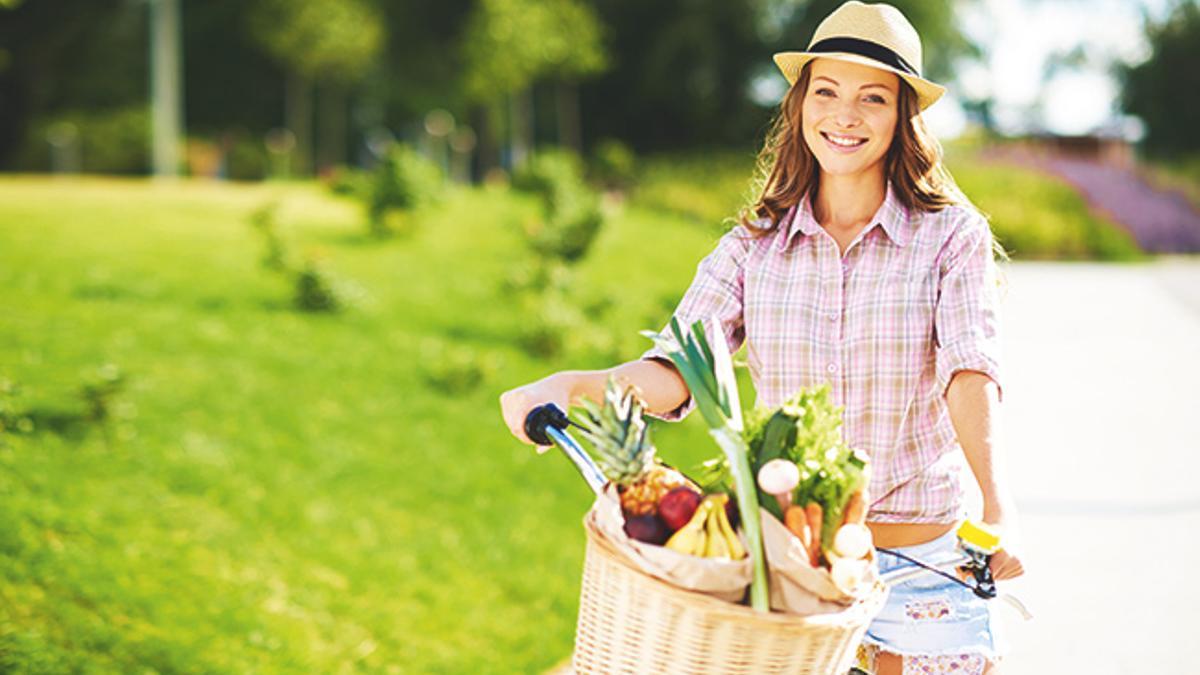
column 901, row 307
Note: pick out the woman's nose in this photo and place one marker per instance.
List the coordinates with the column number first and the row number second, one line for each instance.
column 847, row 115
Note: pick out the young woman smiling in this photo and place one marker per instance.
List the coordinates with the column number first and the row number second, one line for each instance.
column 862, row 265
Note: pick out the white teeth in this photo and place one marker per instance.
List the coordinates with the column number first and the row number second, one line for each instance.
column 844, row 141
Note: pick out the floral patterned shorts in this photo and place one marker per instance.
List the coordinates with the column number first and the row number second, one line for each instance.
column 936, row 625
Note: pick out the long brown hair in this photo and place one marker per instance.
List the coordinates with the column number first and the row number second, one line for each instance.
column 786, row 170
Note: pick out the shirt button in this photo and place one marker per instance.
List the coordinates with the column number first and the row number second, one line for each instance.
column 833, row 316
column 832, row 368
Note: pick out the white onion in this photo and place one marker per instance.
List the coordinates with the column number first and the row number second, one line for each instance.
column 852, row 541
column 848, row 574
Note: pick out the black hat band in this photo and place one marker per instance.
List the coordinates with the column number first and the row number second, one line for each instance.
column 871, row 50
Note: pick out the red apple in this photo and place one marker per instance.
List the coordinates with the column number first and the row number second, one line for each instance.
column 678, row 506
column 648, row 528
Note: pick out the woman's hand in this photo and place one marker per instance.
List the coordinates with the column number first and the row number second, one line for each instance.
column 1005, row 565
column 515, row 404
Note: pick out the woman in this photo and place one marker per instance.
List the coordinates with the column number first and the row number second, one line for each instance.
column 861, row 265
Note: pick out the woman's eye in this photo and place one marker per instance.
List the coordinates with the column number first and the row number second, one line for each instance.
column 875, row 98
column 824, row 92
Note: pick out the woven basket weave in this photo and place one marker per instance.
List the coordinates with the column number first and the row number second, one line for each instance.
column 630, row 622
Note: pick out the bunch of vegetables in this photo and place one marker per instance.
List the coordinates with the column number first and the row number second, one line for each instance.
column 807, row 476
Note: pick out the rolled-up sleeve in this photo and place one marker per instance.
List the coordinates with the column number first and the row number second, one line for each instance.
column 966, row 320
column 715, row 296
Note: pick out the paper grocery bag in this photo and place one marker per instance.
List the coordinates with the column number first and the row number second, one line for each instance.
column 796, row 586
column 719, row 577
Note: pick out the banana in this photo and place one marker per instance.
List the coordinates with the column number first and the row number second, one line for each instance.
column 717, row 546
column 736, row 550
column 690, row 538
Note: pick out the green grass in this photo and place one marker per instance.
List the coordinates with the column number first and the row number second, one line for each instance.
column 292, row 495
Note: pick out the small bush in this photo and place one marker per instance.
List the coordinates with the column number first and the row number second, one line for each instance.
column 315, row 289
column 318, row 290
column 350, row 182
column 572, row 214
column 246, row 159
column 614, row 165
column 108, row 141
column 264, row 220
column 402, row 181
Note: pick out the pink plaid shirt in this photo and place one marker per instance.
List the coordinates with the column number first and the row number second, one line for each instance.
column 912, row 302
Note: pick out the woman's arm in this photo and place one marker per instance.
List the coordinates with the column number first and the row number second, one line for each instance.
column 974, row 401
column 661, row 387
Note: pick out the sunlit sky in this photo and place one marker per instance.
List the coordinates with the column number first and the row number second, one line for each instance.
column 1019, row 39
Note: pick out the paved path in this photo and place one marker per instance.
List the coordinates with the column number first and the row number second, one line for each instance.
column 1102, row 413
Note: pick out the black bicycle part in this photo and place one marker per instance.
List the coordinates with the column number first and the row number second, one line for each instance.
column 546, row 415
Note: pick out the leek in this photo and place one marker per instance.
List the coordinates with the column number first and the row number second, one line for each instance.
column 708, row 373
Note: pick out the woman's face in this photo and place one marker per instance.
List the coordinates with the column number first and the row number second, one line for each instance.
column 849, row 115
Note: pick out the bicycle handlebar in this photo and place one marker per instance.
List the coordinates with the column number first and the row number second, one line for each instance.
column 547, row 425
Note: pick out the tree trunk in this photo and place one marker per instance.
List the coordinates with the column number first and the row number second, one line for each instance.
column 567, row 104
column 331, row 120
column 521, row 125
column 299, row 116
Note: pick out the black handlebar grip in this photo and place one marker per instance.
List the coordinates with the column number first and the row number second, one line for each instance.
column 546, row 415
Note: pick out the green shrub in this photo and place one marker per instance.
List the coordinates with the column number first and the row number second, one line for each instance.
column 613, row 164
column 264, row 220
column 402, row 181
column 109, row 141
column 246, row 159
column 350, row 182
column 571, row 216
column 318, row 290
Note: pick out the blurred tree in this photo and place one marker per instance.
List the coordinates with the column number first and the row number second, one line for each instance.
column 329, row 42
column 683, row 68
column 53, row 59
column 1165, row 86
column 509, row 45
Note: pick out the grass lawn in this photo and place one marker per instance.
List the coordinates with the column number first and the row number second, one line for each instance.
column 286, row 492
column 304, row 493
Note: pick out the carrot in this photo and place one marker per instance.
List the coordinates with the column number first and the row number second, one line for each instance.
column 815, row 514
column 797, row 523
column 855, row 511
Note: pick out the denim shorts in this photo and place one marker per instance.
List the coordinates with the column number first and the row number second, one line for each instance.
column 931, row 615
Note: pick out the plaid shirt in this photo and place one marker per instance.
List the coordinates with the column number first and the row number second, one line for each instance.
column 912, row 302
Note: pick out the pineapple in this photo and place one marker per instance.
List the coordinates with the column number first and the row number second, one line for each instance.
column 624, row 452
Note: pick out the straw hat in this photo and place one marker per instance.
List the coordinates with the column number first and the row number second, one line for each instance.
column 872, row 35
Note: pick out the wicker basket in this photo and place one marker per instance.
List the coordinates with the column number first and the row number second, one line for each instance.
column 630, row 622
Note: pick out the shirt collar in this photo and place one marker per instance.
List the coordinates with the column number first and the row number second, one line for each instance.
column 892, row 216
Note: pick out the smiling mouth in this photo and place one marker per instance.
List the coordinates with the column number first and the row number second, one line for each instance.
column 843, row 141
